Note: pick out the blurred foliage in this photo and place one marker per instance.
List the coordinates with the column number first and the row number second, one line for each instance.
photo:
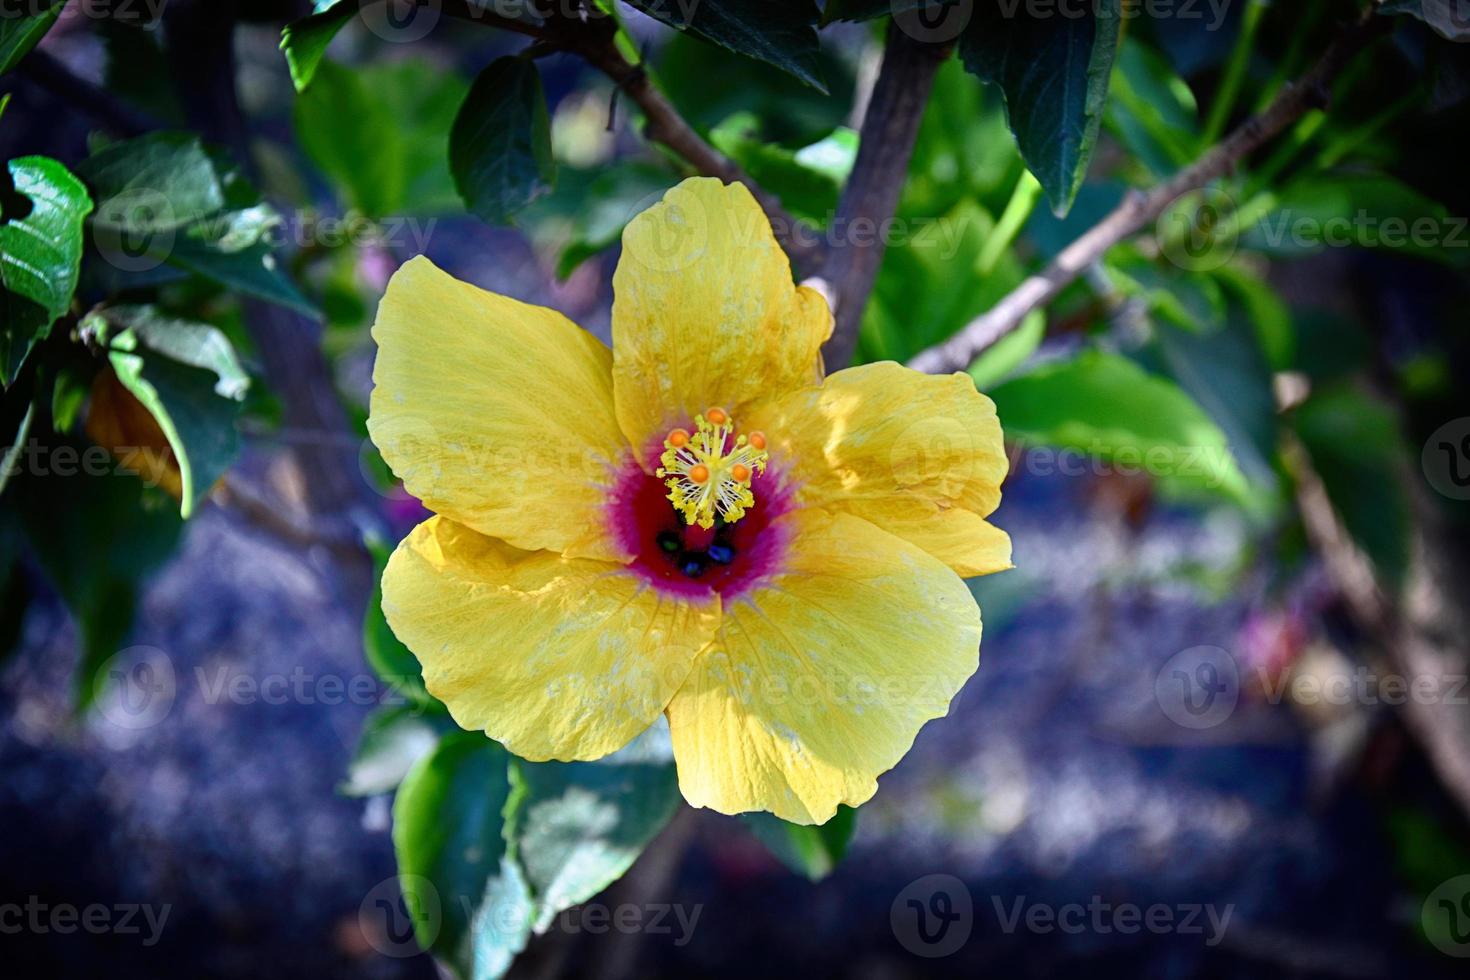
column 129, row 366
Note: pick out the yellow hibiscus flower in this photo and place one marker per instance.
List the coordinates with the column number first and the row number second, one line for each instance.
column 694, row 523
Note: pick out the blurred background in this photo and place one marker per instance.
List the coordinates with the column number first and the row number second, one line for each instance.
column 1221, row 725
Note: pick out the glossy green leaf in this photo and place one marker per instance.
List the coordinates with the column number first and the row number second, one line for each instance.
column 448, row 821
column 42, row 207
column 394, row 738
column 167, row 198
column 779, row 32
column 379, row 133
column 187, row 377
column 1054, row 72
column 22, row 30
column 578, row 826
column 809, row 851
column 791, row 113
column 305, row 41
column 1105, row 406
column 500, row 146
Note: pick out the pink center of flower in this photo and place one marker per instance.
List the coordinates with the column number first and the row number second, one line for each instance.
column 686, row 546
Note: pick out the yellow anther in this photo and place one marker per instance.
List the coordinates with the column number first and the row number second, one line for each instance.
column 708, row 471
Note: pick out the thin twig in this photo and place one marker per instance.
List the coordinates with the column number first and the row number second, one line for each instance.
column 1138, row 210
column 594, row 41
column 856, row 236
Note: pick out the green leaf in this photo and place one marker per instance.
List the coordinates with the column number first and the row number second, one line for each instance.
column 588, row 210
column 1339, row 210
column 1105, row 406
column 154, row 184
column 1054, row 74
column 1225, row 372
column 1152, row 109
column 1266, row 311
column 41, row 214
column 394, row 738
column 379, row 133
column 1449, row 18
column 393, row 662
column 448, row 821
column 20, row 32
column 500, row 146
column 810, row 851
column 23, row 324
column 1355, row 446
column 96, row 536
column 187, row 377
column 305, row 41
column 941, row 274
column 166, row 198
column 963, row 149
column 579, row 826
column 16, row 432
column 791, row 112
column 779, row 32
column 808, row 181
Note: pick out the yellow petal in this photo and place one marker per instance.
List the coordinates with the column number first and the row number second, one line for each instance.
column 495, row 413
column 557, row 658
column 705, row 312
column 821, row 676
column 918, row 455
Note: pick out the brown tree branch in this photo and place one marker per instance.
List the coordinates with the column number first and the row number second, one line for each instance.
column 1138, row 210
column 885, row 146
column 594, row 41
column 1420, row 634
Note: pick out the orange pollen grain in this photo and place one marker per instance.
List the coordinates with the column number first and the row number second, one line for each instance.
column 699, row 473
column 717, row 416
column 740, row 472
column 758, row 440
column 679, row 438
